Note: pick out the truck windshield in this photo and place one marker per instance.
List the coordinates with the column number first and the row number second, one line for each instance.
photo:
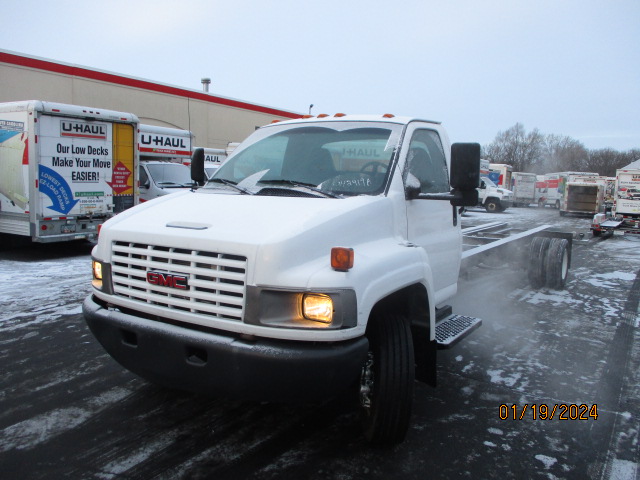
column 337, row 158
column 488, row 182
column 170, row 174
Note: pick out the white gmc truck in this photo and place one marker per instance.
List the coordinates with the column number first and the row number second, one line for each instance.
column 317, row 259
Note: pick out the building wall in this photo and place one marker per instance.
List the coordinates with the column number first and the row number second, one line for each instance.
column 215, row 121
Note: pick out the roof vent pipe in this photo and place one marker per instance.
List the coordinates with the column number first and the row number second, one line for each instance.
column 205, row 84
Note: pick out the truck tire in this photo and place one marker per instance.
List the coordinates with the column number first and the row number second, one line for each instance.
column 537, row 258
column 492, row 205
column 557, row 263
column 386, row 385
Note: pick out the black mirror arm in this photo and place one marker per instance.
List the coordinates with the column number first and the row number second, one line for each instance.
column 458, row 198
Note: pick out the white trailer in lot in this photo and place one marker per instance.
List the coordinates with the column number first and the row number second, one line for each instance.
column 583, row 197
column 501, row 174
column 555, row 187
column 64, row 169
column 624, row 217
column 524, row 188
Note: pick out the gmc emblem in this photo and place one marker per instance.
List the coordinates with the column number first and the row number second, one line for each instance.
column 168, row 280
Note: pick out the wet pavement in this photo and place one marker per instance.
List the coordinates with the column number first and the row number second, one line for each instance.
column 546, row 388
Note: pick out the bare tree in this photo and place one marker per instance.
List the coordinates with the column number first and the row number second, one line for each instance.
column 606, row 161
column 516, row 147
column 562, row 154
column 537, row 153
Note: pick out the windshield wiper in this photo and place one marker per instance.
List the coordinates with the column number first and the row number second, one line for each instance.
column 232, row 185
column 309, row 186
column 175, row 185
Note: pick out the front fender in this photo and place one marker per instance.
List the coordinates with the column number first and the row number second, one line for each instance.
column 380, row 269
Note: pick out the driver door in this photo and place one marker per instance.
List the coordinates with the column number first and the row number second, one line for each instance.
column 431, row 223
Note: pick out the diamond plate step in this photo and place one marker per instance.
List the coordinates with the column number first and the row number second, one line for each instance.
column 453, row 328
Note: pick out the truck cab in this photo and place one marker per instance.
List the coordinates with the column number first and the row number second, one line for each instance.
column 164, row 157
column 317, row 260
column 158, row 178
column 492, row 197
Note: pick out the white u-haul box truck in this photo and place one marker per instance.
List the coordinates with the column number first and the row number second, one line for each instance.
column 64, row 169
column 164, row 157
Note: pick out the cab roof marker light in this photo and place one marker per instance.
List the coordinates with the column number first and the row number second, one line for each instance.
column 388, row 115
column 307, row 116
column 275, row 120
column 342, row 258
column 322, row 115
column 340, row 115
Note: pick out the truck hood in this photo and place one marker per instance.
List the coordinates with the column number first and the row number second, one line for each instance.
column 279, row 231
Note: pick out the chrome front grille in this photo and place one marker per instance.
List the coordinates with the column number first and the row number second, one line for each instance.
column 210, row 284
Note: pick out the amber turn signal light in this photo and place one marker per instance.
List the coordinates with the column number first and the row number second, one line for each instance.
column 342, row 258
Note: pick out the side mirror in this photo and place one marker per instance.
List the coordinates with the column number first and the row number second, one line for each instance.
column 482, row 184
column 465, row 166
column 198, row 174
column 465, row 174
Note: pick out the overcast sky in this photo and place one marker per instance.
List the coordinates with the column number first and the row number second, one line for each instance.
column 564, row 67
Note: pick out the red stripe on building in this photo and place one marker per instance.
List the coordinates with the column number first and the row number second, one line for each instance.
column 133, row 82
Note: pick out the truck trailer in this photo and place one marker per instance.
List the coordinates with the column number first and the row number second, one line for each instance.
column 501, row 174
column 624, row 217
column 64, row 169
column 523, row 186
column 554, row 187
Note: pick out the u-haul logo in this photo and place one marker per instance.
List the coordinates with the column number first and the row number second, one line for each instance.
column 83, row 130
column 168, row 280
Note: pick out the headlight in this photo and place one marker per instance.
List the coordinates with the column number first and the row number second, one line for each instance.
column 97, row 275
column 290, row 309
column 317, row 307
column 97, row 270
column 101, row 276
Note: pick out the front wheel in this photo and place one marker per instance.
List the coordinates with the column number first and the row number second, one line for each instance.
column 492, row 205
column 386, row 384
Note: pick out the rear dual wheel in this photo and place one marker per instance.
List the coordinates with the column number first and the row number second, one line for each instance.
column 557, row 263
column 548, row 262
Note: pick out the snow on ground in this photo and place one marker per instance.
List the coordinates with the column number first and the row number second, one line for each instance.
column 49, row 288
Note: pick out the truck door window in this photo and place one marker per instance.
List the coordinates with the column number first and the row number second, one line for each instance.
column 426, row 162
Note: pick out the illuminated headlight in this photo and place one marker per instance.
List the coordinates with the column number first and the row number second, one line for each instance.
column 96, row 267
column 97, row 270
column 317, row 307
column 335, row 309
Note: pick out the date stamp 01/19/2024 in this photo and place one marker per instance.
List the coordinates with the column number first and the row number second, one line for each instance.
column 542, row 411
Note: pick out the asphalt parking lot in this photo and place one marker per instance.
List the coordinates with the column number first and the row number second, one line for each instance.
column 548, row 387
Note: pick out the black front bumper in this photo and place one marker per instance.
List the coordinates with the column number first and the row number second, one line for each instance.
column 218, row 363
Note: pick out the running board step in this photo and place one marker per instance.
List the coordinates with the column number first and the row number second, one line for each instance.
column 453, row 328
